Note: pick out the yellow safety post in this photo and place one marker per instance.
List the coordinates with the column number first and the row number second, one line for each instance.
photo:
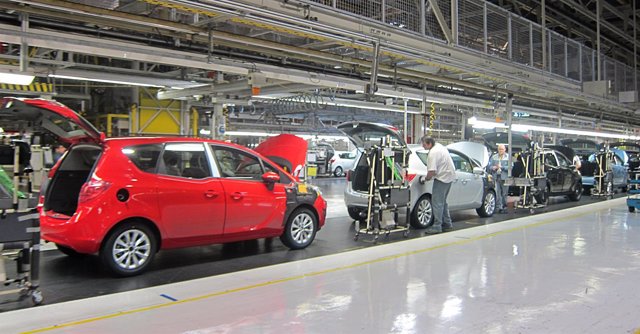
column 194, row 121
column 134, row 118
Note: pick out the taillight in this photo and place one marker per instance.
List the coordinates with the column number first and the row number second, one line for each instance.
column 410, row 177
column 93, row 189
column 332, row 160
column 349, row 175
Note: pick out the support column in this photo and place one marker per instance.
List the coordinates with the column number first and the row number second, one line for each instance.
column 454, row 21
column 423, row 18
column 509, row 110
column 555, row 135
column 484, row 27
column 509, row 38
column 406, row 112
column 218, row 126
column 24, row 47
column 635, row 48
column 531, row 44
column 543, row 23
column 598, row 15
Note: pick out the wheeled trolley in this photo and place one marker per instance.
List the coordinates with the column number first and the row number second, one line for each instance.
column 603, row 175
column 388, row 194
column 19, row 225
column 20, row 242
column 633, row 195
column 530, row 178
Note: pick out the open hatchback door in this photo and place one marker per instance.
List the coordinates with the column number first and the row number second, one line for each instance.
column 363, row 133
column 39, row 114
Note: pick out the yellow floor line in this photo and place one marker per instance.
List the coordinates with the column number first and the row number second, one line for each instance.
column 316, row 273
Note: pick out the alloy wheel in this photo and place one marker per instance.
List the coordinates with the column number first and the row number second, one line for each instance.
column 302, row 228
column 131, row 249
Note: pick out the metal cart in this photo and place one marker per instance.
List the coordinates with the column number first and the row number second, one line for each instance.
column 389, row 192
column 530, row 179
column 633, row 192
column 603, row 175
column 19, row 232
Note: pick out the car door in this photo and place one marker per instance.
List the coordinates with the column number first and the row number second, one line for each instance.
column 619, row 171
column 467, row 188
column 253, row 209
column 564, row 166
column 191, row 201
column 554, row 173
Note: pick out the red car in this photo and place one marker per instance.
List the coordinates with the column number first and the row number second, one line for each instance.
column 126, row 198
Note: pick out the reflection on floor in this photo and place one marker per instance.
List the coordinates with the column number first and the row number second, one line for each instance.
column 573, row 270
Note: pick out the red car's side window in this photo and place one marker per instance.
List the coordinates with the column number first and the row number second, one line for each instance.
column 145, row 157
column 236, row 163
column 184, row 160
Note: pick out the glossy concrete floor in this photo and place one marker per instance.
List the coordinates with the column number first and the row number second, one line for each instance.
column 568, row 271
column 65, row 278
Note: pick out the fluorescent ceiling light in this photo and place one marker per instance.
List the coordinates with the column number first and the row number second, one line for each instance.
column 118, row 82
column 14, row 78
column 526, row 127
column 249, row 133
column 478, row 124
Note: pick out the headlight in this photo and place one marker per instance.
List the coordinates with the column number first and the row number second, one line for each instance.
column 317, row 189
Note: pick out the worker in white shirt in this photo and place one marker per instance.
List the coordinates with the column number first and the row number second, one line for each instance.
column 441, row 170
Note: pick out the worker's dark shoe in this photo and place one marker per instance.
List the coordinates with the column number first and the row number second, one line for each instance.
column 433, row 230
column 446, row 228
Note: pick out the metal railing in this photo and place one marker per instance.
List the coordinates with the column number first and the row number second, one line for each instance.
column 487, row 28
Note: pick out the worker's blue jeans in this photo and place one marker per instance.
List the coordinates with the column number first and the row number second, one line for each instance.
column 439, row 195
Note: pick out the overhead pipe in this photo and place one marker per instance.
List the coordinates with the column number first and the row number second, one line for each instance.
column 435, row 78
column 464, row 84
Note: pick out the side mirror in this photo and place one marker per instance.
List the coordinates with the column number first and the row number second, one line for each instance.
column 478, row 171
column 270, row 177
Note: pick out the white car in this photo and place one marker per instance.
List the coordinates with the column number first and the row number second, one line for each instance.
column 473, row 188
column 343, row 162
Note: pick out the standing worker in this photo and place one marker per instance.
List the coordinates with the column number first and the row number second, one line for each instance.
column 440, row 168
column 500, row 170
column 58, row 152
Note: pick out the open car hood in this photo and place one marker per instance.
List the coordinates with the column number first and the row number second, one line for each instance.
column 627, row 146
column 519, row 142
column 288, row 151
column 37, row 114
column 476, row 151
column 582, row 147
column 566, row 150
column 362, row 133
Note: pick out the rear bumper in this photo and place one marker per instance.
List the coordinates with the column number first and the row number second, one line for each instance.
column 66, row 231
column 354, row 198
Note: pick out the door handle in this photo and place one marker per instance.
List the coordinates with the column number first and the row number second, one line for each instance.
column 211, row 194
column 465, row 181
column 238, row 195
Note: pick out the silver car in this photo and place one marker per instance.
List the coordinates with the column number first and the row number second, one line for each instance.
column 473, row 188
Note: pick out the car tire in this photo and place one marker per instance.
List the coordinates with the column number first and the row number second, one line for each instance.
column 576, row 194
column 68, row 251
column 422, row 213
column 543, row 197
column 338, row 171
column 129, row 249
column 354, row 213
column 488, row 204
column 632, row 209
column 300, row 229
